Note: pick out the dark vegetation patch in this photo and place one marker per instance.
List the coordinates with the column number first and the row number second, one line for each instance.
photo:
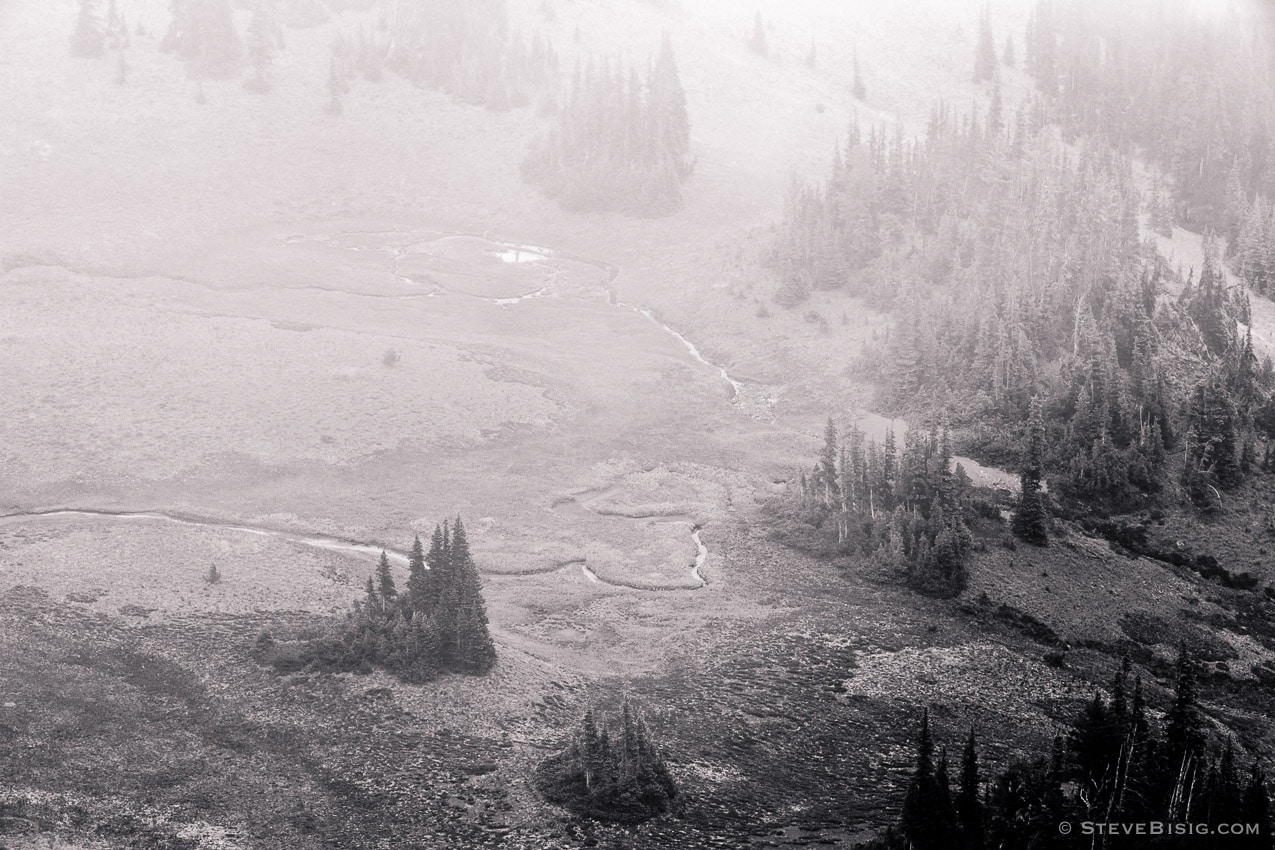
column 1008, row 619
column 1148, row 629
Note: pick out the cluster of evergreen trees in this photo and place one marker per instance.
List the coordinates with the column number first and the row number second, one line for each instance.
column 465, row 48
column 1195, row 95
column 95, row 32
column 610, row 774
column 1113, row 766
column 904, row 506
column 619, row 142
column 203, row 33
column 1015, row 267
column 1252, row 249
column 436, row 625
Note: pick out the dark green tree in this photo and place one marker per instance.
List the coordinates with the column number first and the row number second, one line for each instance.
column 1030, row 521
column 385, row 580
column 463, row 610
column 971, row 830
column 417, row 576
column 927, row 820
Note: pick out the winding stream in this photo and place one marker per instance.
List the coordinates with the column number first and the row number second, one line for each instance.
column 317, row 541
column 326, row 542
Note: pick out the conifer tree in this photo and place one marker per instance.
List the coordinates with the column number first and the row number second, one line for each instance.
column 925, row 821
column 757, row 40
column 417, row 576
column 260, row 42
column 621, row 777
column 969, row 800
column 857, row 88
column 89, row 37
column 1184, row 751
column 985, row 59
column 471, row 649
column 1030, row 519
column 203, row 33
column 385, row 580
column 1010, row 57
column 1257, row 810
column 338, row 87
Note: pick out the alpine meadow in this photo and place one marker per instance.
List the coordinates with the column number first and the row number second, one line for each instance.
column 636, row 424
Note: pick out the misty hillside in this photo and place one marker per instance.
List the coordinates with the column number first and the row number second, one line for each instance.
column 636, row 423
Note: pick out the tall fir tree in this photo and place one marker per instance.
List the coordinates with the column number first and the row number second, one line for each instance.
column 757, row 39
column 1030, row 518
column 985, row 63
column 971, row 830
column 385, row 580
column 89, row 36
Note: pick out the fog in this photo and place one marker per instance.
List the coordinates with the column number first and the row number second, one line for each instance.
column 635, row 423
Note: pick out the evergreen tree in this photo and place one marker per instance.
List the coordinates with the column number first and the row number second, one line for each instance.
column 385, row 580
column 1010, row 58
column 985, row 59
column 260, row 48
column 417, row 576
column 203, row 33
column 89, row 37
column 969, row 800
column 1181, row 766
column 1257, row 810
column 757, row 40
column 859, row 91
column 621, row 777
column 471, row 649
column 927, row 820
column 1030, row 518
column 338, row 87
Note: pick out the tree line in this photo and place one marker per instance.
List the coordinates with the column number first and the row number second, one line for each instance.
column 1195, row 95
column 1114, row 765
column 1016, row 271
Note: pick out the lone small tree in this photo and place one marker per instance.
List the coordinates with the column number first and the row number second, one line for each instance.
column 213, row 576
